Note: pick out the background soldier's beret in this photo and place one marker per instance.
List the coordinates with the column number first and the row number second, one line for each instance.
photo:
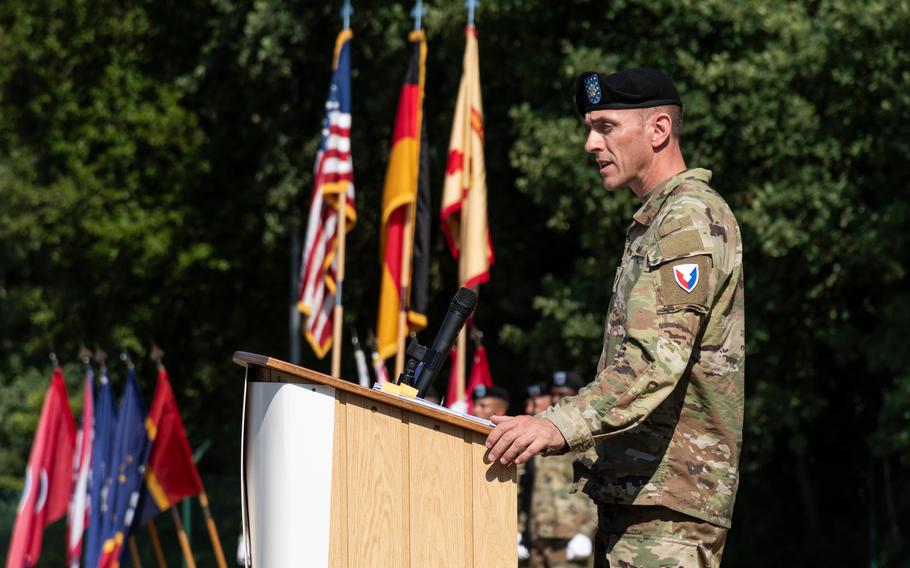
column 632, row 88
column 567, row 379
column 483, row 391
column 537, row 389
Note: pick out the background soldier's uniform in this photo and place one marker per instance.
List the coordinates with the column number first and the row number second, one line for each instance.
column 664, row 413
column 556, row 512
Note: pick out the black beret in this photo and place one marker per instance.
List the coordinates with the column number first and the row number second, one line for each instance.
column 538, row 389
column 483, row 391
column 567, row 379
column 632, row 88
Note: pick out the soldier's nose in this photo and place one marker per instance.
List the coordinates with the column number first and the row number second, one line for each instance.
column 591, row 144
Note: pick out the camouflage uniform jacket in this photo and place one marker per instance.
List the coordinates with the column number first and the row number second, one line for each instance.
column 556, row 510
column 664, row 414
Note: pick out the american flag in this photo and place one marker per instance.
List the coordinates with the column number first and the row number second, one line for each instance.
column 334, row 177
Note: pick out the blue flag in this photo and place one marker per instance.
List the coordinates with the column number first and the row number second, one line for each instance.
column 104, row 425
column 131, row 445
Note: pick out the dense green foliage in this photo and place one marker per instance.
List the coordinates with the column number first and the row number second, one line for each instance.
column 155, row 158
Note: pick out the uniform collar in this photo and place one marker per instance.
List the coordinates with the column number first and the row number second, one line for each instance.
column 657, row 196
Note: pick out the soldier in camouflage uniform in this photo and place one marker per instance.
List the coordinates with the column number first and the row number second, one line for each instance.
column 559, row 522
column 658, row 431
column 537, row 399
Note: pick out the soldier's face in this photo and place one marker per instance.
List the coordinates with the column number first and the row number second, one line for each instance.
column 620, row 145
column 537, row 404
column 486, row 407
column 558, row 393
column 541, row 403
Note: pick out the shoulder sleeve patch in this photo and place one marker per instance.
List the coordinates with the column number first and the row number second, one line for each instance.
column 685, row 283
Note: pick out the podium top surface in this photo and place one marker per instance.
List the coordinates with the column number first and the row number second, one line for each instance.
column 305, row 375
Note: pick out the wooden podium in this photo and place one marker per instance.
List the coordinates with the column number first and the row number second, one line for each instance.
column 338, row 475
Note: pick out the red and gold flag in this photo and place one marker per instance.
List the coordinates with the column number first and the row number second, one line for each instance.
column 464, row 199
column 399, row 205
column 171, row 474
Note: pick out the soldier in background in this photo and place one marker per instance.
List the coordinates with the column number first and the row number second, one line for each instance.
column 538, row 398
column 557, row 523
column 489, row 401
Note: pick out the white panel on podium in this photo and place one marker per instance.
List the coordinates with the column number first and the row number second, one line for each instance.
column 288, row 432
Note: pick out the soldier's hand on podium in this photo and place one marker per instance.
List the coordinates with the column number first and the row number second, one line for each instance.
column 579, row 548
column 519, row 438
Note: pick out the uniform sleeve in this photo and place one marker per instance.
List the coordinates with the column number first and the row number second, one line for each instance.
column 666, row 303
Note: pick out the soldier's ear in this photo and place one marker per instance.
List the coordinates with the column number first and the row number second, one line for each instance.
column 661, row 127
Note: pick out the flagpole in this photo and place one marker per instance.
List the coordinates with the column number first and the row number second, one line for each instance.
column 407, row 245
column 156, row 544
column 213, row 530
column 134, row 553
column 459, row 366
column 338, row 322
column 404, row 301
column 463, row 336
column 339, row 285
column 184, row 540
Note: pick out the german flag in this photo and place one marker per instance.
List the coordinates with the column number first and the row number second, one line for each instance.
column 406, row 184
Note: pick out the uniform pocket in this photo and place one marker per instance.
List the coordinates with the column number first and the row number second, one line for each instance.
column 649, row 551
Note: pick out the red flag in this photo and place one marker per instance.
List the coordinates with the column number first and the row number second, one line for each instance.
column 48, row 477
column 480, row 375
column 171, row 474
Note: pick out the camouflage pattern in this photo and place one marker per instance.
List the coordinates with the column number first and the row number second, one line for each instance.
column 556, row 512
column 651, row 537
column 661, row 424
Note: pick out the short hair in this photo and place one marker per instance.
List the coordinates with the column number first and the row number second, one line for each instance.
column 676, row 117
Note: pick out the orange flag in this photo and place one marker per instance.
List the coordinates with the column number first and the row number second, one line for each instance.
column 399, row 199
column 464, row 199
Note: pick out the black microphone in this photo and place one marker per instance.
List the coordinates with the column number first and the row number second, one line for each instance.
column 460, row 308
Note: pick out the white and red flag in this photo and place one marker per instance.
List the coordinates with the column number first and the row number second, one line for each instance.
column 334, row 180
column 79, row 510
column 48, row 477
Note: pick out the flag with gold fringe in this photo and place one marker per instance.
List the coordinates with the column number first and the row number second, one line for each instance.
column 464, row 199
column 401, row 194
column 334, row 179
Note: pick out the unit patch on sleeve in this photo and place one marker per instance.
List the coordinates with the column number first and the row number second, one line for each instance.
column 686, row 276
column 685, row 283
